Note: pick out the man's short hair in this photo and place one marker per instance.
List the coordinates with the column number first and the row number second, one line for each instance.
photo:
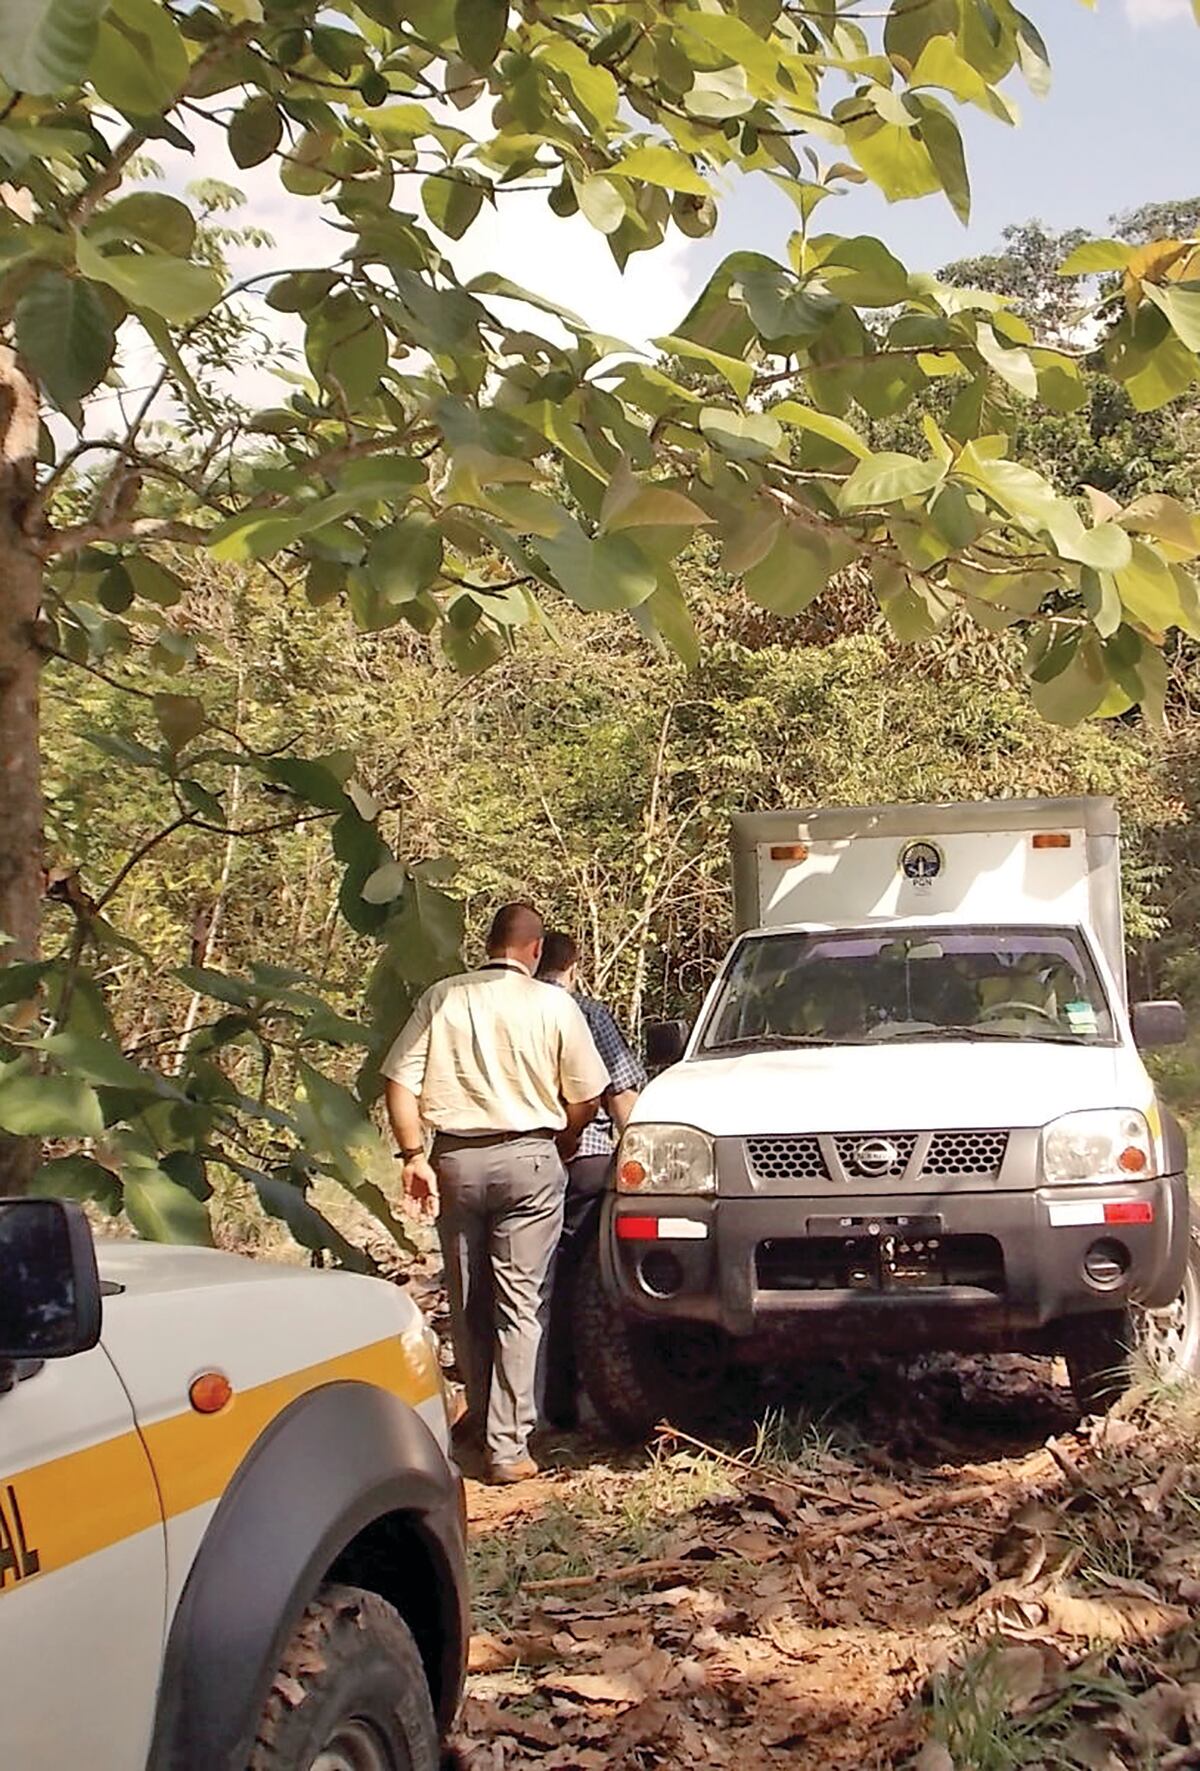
column 514, row 925
column 559, row 953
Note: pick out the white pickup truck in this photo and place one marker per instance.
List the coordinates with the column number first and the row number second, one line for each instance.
column 231, row 1533
column 910, row 1115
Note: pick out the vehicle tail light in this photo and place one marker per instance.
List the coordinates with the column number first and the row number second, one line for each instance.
column 633, row 1173
column 1132, row 1160
column 1052, row 839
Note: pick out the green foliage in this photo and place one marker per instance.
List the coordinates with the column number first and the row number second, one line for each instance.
column 461, row 483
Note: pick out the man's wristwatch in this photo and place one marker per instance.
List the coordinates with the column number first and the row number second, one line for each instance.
column 408, row 1155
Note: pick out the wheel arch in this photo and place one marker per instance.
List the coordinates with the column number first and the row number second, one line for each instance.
column 348, row 1483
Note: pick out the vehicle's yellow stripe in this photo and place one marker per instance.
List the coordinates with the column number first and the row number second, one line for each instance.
column 194, row 1455
column 75, row 1505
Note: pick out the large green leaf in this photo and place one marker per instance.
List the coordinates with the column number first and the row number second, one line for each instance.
column 157, row 1206
column 404, row 558
column 862, row 271
column 285, row 1199
column 1151, row 593
column 336, row 1125
column 795, row 571
column 34, row 1105
column 1182, row 308
column 611, row 572
column 887, row 477
column 1096, row 255
column 663, row 166
column 140, row 62
column 150, row 217
column 451, row 203
column 99, row 1061
column 255, row 131
column 78, row 1177
column 479, row 26
column 167, row 286
column 746, row 436
column 46, row 45
column 65, row 333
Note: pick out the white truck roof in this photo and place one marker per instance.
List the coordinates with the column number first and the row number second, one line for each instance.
column 1018, row 861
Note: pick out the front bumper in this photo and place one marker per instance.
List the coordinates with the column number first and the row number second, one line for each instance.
column 935, row 1269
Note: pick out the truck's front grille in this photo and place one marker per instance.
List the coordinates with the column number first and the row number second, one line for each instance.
column 966, row 1153
column 786, row 1159
column 877, row 1156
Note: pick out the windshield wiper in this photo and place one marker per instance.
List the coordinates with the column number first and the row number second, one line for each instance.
column 941, row 1033
column 988, row 1033
column 771, row 1041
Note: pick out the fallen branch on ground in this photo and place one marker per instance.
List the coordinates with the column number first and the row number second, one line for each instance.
column 562, row 1583
column 666, row 1432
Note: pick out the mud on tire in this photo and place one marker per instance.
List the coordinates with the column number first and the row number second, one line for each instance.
column 1103, row 1352
column 637, row 1373
column 350, row 1693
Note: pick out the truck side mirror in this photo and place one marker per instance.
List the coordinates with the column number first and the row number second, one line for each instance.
column 665, row 1043
column 49, row 1286
column 1158, row 1023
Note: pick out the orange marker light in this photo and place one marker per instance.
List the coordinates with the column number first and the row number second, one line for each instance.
column 209, row 1392
column 1052, row 839
column 1132, row 1160
column 633, row 1173
column 789, row 851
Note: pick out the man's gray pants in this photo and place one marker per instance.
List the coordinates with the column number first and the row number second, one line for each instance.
column 499, row 1223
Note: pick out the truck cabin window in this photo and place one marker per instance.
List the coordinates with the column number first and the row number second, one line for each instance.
column 863, row 988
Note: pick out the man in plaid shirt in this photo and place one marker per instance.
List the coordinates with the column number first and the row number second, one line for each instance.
column 588, row 1170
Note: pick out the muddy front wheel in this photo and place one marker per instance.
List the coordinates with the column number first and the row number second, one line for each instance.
column 350, row 1694
column 1168, row 1340
column 638, row 1373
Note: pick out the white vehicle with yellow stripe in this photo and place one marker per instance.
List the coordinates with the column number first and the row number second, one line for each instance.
column 912, row 1115
column 231, row 1534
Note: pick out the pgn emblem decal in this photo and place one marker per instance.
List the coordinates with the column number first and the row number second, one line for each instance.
column 921, row 863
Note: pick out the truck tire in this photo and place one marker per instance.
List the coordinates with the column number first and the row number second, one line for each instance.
column 1168, row 1340
column 350, row 1694
column 1104, row 1351
column 1097, row 1351
column 637, row 1373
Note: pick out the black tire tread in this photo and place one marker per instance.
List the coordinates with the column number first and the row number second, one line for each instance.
column 325, row 1646
column 1097, row 1354
column 608, row 1361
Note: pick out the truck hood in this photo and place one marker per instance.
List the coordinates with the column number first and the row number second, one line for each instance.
column 967, row 1086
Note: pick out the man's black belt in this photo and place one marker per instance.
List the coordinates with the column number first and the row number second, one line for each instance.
column 484, row 1140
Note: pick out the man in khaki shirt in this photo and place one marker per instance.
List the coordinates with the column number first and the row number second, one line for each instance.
column 505, row 1073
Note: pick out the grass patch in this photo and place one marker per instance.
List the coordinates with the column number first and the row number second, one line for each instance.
column 991, row 1715
column 785, row 1442
column 615, row 1516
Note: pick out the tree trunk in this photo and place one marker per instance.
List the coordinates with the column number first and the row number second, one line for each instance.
column 20, row 756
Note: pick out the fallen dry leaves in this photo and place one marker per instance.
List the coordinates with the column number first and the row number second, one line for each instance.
column 832, row 1612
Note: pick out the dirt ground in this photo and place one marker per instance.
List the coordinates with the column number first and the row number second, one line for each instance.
column 937, row 1567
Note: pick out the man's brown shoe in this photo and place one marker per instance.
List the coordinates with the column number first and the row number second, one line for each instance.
column 506, row 1474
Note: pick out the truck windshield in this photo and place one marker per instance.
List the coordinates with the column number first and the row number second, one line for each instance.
column 861, row 988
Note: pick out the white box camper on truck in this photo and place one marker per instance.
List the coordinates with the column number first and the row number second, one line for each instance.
column 911, row 1114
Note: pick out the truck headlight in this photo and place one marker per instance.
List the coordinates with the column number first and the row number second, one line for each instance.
column 1105, row 1145
column 665, row 1159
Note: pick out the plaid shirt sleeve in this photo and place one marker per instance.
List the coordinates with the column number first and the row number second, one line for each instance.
column 624, row 1070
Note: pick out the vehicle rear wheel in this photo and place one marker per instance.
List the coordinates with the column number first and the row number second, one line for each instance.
column 350, row 1694
column 638, row 1373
